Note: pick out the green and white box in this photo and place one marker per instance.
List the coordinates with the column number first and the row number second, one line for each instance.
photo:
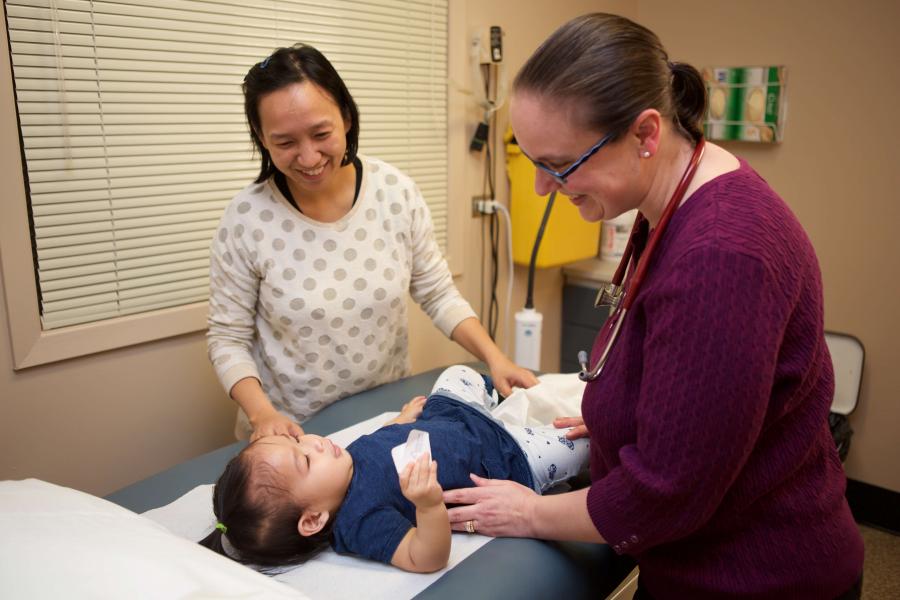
column 745, row 103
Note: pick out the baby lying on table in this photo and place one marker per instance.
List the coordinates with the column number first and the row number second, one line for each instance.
column 281, row 501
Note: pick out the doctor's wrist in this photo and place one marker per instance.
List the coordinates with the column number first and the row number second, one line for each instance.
column 530, row 518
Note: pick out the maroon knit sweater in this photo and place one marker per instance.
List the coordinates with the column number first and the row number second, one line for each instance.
column 711, row 457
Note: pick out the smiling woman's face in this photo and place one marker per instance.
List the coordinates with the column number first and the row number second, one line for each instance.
column 305, row 133
column 315, row 471
column 604, row 186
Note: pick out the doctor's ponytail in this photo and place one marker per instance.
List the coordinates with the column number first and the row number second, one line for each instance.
column 689, row 97
column 608, row 69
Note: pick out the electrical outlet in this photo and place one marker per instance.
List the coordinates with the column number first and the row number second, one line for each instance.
column 481, row 206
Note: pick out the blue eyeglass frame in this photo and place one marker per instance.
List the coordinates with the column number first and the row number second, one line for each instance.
column 561, row 177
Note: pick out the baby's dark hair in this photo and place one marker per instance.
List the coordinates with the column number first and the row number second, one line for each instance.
column 259, row 518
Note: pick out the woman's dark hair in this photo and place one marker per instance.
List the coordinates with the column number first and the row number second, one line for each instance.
column 260, row 518
column 287, row 66
column 614, row 68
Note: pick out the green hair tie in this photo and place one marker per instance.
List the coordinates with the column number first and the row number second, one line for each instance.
column 221, row 527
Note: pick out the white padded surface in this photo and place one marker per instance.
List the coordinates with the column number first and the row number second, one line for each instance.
column 847, row 357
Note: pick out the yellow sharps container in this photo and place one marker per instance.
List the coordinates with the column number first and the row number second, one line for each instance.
column 567, row 237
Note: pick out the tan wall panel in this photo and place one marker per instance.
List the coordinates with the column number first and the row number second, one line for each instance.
column 837, row 167
column 103, row 421
column 100, row 422
column 525, row 26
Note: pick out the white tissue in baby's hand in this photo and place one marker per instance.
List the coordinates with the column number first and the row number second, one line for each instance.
column 416, row 445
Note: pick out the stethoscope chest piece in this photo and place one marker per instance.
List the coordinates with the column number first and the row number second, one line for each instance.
column 609, row 295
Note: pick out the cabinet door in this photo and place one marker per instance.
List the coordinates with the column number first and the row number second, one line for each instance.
column 580, row 324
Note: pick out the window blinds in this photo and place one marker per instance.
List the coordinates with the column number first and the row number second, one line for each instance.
column 134, row 136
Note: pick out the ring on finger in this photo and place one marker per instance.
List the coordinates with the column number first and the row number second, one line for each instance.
column 470, row 526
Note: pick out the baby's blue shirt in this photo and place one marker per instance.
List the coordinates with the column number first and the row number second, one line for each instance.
column 375, row 516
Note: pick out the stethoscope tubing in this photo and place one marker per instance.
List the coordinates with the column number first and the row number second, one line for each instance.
column 627, row 298
column 585, row 375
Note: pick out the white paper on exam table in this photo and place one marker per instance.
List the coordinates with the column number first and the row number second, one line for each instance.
column 333, row 576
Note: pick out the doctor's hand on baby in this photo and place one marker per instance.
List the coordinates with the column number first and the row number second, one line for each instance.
column 494, row 507
column 579, row 429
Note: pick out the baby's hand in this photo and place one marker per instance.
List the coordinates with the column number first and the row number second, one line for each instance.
column 419, row 484
column 412, row 410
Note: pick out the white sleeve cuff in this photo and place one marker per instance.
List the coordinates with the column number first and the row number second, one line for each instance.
column 453, row 316
column 236, row 373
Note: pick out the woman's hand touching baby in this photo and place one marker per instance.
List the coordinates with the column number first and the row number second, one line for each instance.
column 578, row 428
column 274, row 423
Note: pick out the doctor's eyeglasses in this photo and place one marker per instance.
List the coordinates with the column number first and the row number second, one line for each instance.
column 561, row 177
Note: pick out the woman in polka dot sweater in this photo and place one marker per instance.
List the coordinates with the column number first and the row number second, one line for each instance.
column 311, row 263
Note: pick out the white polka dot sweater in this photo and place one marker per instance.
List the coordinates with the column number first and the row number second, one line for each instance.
column 317, row 311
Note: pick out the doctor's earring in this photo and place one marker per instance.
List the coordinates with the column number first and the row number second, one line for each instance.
column 645, row 154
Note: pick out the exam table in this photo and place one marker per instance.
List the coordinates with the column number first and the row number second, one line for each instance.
column 502, row 568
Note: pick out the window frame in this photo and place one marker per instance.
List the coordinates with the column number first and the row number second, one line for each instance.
column 32, row 346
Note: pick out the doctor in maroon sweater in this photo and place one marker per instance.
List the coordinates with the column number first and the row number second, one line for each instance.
column 711, row 459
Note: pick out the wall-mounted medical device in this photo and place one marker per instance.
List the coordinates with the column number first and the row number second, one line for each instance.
column 496, row 44
column 488, row 41
column 487, row 67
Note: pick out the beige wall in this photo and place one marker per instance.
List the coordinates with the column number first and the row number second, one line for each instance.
column 103, row 421
column 100, row 422
column 837, row 167
column 525, row 24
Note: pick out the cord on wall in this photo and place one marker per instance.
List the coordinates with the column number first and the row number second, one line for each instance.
column 495, row 206
column 529, row 294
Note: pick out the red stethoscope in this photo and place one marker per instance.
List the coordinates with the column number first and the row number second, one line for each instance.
column 614, row 293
